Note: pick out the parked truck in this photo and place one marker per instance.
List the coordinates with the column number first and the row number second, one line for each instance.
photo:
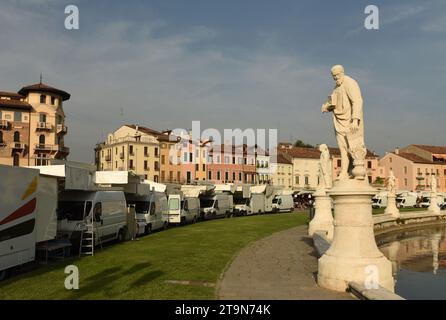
column 216, row 205
column 283, row 201
column 105, row 210
column 406, row 199
column 380, row 200
column 253, row 199
column 184, row 206
column 28, row 203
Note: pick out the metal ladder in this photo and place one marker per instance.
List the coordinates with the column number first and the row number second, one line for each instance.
column 86, row 245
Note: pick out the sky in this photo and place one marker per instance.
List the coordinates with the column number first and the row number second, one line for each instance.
column 231, row 64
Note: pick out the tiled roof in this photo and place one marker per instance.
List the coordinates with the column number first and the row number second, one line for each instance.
column 299, row 152
column 280, row 158
column 15, row 104
column 413, row 157
column 159, row 135
column 41, row 87
column 11, row 95
column 337, row 152
column 432, row 149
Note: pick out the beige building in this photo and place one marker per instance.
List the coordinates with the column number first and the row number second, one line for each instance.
column 281, row 172
column 415, row 166
column 32, row 126
column 131, row 148
column 306, row 165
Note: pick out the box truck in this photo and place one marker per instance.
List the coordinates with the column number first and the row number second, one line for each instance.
column 380, row 200
column 283, row 201
column 28, row 204
column 184, row 205
column 216, row 205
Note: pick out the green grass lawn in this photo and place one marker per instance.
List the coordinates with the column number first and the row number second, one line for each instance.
column 139, row 269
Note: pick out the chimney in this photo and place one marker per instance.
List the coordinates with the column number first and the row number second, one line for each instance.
column 397, row 150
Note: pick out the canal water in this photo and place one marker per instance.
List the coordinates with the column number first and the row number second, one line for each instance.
column 418, row 261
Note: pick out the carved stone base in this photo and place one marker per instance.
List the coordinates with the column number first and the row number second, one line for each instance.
column 391, row 207
column 434, row 204
column 323, row 218
column 353, row 254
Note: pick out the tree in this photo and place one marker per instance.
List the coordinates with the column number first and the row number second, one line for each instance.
column 379, row 180
column 300, row 143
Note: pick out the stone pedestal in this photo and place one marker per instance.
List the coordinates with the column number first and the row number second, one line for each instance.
column 353, row 254
column 434, row 204
column 391, row 206
column 323, row 218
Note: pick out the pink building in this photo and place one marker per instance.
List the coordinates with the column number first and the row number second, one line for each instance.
column 415, row 166
column 231, row 164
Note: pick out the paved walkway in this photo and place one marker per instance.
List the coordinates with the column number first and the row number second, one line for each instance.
column 282, row 266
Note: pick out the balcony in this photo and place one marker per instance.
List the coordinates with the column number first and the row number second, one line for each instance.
column 44, row 126
column 41, row 147
column 17, row 145
column 5, row 124
column 64, row 150
column 61, row 129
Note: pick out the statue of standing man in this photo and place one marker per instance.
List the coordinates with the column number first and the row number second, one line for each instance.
column 346, row 104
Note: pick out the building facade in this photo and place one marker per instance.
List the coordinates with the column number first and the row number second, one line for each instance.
column 415, row 166
column 282, row 172
column 32, row 126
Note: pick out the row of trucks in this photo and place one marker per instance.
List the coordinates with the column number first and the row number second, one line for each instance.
column 408, row 199
column 44, row 205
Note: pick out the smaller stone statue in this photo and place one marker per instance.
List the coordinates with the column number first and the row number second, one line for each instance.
column 391, row 183
column 326, row 179
column 434, row 184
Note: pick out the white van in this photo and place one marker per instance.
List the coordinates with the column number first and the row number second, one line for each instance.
column 380, row 200
column 283, row 203
column 255, row 204
column 216, row 205
column 151, row 209
column 406, row 200
column 183, row 209
column 107, row 208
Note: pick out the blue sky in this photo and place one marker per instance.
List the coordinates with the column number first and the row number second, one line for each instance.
column 232, row 64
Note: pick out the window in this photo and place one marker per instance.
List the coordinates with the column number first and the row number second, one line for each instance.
column 162, row 176
column 390, row 159
column 191, row 157
column 233, row 160
column 339, row 164
column 209, row 175
column 17, row 116
column 297, row 179
column 156, row 152
column 233, row 176
column 226, row 176
column 157, row 167
column 306, row 180
column 53, row 101
column 1, row 136
column 240, row 176
column 369, row 164
column 116, row 150
column 226, row 159
column 131, row 163
column 42, row 98
column 163, row 159
column 170, row 176
column 145, row 165
column 131, row 149
column 116, row 164
column 218, row 159
column 197, row 167
column 42, row 139
column 16, row 160
column 218, row 175
column 405, row 181
column 16, row 136
column 145, row 176
column 185, row 157
column 405, row 171
column 178, row 176
column 204, row 167
column 146, row 151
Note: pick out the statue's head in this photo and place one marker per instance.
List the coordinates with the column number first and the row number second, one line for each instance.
column 323, row 148
column 337, row 72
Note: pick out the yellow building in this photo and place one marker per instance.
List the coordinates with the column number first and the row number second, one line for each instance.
column 282, row 172
column 32, row 126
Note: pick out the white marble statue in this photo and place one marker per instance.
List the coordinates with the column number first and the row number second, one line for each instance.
column 346, row 104
column 434, row 184
column 391, row 183
column 326, row 179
